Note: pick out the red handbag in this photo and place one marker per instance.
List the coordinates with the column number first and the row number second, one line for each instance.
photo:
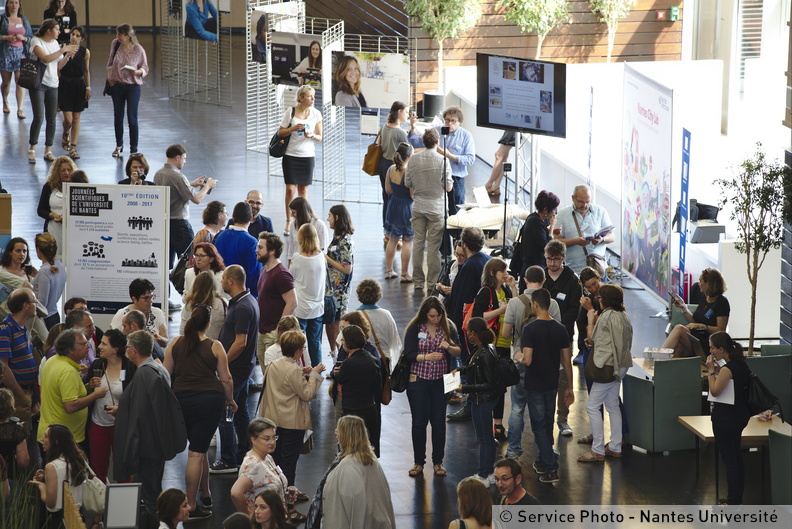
column 467, row 313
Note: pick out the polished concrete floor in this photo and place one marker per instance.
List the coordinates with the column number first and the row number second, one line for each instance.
column 215, row 139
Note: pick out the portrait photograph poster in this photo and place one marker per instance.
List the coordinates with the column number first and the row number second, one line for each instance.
column 384, row 78
column 209, row 31
column 290, row 59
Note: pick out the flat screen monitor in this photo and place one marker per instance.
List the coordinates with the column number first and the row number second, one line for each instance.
column 523, row 95
column 122, row 502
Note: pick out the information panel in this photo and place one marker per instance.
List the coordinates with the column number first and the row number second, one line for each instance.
column 112, row 235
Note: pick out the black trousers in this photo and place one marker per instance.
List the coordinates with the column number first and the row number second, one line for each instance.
column 728, row 428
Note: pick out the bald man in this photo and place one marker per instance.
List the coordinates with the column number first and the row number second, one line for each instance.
column 258, row 222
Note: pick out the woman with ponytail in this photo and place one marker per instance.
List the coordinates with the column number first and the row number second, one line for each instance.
column 484, row 388
column 202, row 384
column 726, row 363
column 397, row 219
column 390, row 136
column 51, row 279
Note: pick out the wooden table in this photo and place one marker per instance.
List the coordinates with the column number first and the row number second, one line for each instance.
column 754, row 434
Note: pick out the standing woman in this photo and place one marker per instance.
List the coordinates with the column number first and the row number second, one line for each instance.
column 50, row 207
column 204, row 293
column 397, row 219
column 729, row 420
column 125, row 84
column 204, row 389
column 429, row 343
column 340, row 260
column 309, row 271
column 391, row 135
column 51, row 279
column 612, row 339
column 15, row 35
column 537, row 232
column 301, row 213
column 497, row 288
column 206, row 258
column 347, row 78
column 16, row 260
column 304, row 123
column 45, row 47
column 74, row 91
column 474, row 505
column 485, row 390
column 63, row 13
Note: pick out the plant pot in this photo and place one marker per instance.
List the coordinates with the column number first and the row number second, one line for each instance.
column 433, row 103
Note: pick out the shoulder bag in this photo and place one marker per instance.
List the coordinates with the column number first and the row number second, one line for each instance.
column 605, row 374
column 467, row 313
column 179, row 271
column 401, row 374
column 278, row 144
column 108, row 89
column 593, row 260
column 758, row 398
column 387, row 396
column 93, row 492
column 31, row 72
column 372, row 157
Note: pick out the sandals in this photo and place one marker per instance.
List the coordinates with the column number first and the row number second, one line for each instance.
column 49, row 157
column 301, row 496
column 21, row 115
column 586, row 439
column 390, row 274
column 73, row 152
column 590, row 457
column 297, row 518
column 117, row 152
column 406, row 278
column 415, row 470
column 611, row 453
column 65, row 141
column 32, row 156
column 439, row 470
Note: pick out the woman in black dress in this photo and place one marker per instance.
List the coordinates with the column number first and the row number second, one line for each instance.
column 62, row 11
column 74, row 91
column 729, row 420
column 537, row 232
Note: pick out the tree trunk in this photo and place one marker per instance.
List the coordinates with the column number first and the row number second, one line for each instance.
column 539, row 41
column 611, row 40
column 753, row 278
column 440, row 87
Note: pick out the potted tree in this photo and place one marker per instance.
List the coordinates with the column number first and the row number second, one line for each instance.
column 610, row 12
column 536, row 16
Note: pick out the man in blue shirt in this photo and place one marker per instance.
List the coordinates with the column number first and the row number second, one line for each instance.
column 237, row 246
column 258, row 222
column 16, row 352
column 591, row 218
column 458, row 147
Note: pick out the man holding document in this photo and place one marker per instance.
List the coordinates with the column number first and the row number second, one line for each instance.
column 585, row 229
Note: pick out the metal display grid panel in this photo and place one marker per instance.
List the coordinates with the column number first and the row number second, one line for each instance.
column 195, row 70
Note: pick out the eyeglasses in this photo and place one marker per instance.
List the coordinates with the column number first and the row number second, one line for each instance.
column 199, row 255
column 554, row 259
column 149, row 297
column 255, row 203
column 81, row 343
column 267, row 438
column 504, row 479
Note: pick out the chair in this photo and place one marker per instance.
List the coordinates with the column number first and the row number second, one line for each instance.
column 776, row 350
column 678, row 317
column 780, row 468
column 776, row 373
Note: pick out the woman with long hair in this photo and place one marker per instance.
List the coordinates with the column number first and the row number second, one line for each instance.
column 44, row 46
column 204, row 389
column 16, row 260
column 430, row 342
column 474, row 505
column 484, row 388
column 310, row 272
column 347, row 78
column 397, row 219
column 711, row 315
column 312, row 61
column 300, row 213
column 268, row 511
column 13, row 439
column 356, row 493
column 590, row 280
column 136, row 170
column 611, row 337
column 110, row 366
column 204, row 294
column 127, row 65
column 74, row 91
column 65, row 462
column 303, row 123
column 497, row 288
column 729, row 420
column 15, row 35
column 206, row 258
column 172, row 508
column 51, row 203
column 391, row 135
column 50, row 282
column 340, row 260
column 64, row 14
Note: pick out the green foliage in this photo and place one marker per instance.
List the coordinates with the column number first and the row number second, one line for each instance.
column 22, row 511
column 536, row 16
column 611, row 11
column 445, row 19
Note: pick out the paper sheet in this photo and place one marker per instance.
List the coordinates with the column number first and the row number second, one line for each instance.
column 451, row 381
column 726, row 397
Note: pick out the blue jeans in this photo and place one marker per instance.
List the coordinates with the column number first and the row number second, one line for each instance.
column 456, row 195
column 313, row 334
column 519, row 398
column 234, row 436
column 428, row 405
column 44, row 101
column 126, row 95
column 541, row 408
column 482, row 423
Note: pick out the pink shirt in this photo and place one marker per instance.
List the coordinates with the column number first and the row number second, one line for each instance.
column 14, row 30
column 136, row 57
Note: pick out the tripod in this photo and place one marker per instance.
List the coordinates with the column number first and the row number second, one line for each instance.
column 505, row 251
column 444, row 245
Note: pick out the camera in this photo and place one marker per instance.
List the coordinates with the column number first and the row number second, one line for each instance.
column 141, row 176
column 507, row 167
column 445, row 131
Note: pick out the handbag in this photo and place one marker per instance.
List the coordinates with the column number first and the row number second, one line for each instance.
column 31, row 72
column 605, row 374
column 593, row 260
column 93, row 493
column 278, row 144
column 400, row 375
column 180, row 270
column 307, row 445
column 387, row 394
column 372, row 158
column 467, row 313
column 330, row 309
column 758, row 398
column 108, row 88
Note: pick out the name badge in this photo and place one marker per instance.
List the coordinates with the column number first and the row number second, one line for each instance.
column 709, row 314
column 584, row 227
column 332, row 248
column 19, row 26
column 422, row 336
column 560, row 296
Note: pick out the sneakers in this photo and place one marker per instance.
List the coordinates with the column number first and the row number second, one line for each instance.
column 463, row 414
column 199, row 513
column 221, row 467
column 172, row 307
column 539, row 468
column 550, row 477
column 564, row 429
column 500, row 433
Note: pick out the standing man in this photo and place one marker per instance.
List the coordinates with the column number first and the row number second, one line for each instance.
column 508, row 480
column 64, row 397
column 591, row 218
column 564, row 287
column 545, row 345
column 182, row 192
column 149, row 425
column 134, row 320
column 82, row 319
column 519, row 313
column 258, row 222
column 237, row 246
column 276, row 295
column 239, row 337
column 466, row 285
column 458, row 147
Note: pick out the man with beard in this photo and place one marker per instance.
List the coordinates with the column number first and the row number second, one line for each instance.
column 591, row 218
column 258, row 222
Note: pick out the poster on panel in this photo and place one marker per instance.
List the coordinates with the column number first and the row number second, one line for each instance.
column 374, row 80
column 201, row 20
column 296, row 59
column 646, row 181
column 258, row 35
column 114, row 234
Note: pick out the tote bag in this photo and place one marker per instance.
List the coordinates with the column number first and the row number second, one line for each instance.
column 31, row 72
